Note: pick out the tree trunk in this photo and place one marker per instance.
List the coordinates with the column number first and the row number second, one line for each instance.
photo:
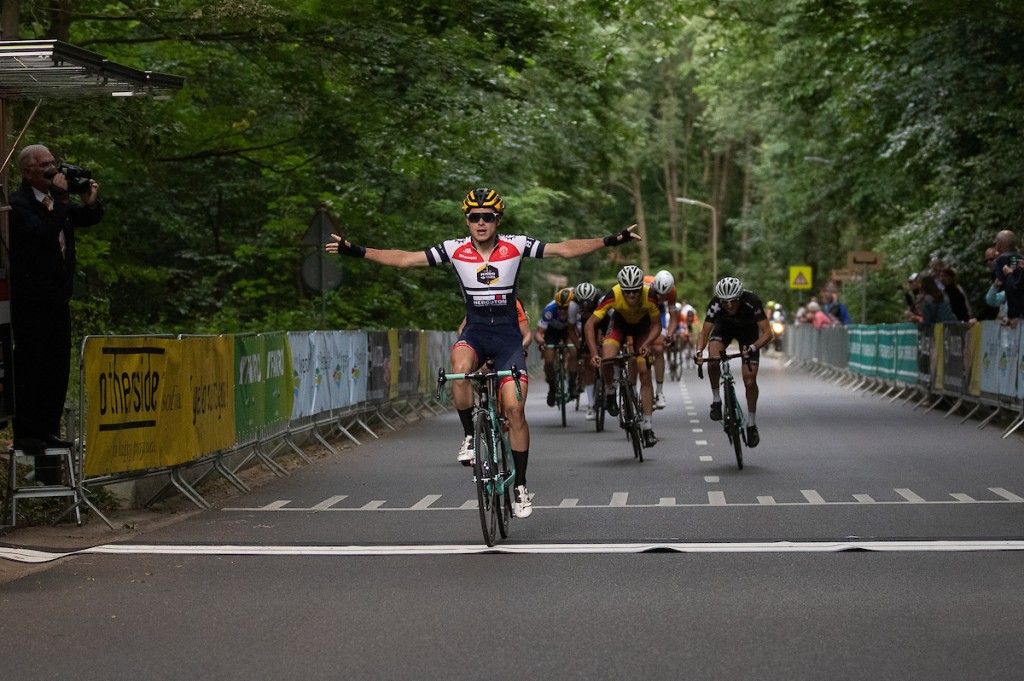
column 641, row 219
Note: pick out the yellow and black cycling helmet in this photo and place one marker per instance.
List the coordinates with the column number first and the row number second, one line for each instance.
column 483, row 198
column 564, row 297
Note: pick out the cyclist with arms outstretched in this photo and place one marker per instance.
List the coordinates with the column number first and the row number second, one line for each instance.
column 487, row 265
column 735, row 314
column 636, row 316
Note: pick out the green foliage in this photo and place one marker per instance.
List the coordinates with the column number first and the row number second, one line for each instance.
column 863, row 124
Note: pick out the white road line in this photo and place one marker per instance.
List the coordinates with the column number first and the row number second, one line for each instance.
column 424, row 503
column 812, row 496
column 698, row 430
column 711, row 478
column 1009, row 496
column 36, row 556
column 620, row 500
column 910, row 496
column 707, row 458
column 667, row 501
column 327, row 503
column 702, row 443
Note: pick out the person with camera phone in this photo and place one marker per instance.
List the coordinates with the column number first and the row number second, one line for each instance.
column 43, row 220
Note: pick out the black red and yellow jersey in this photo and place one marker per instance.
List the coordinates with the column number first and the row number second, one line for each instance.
column 630, row 314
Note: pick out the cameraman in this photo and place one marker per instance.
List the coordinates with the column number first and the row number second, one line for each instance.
column 42, row 261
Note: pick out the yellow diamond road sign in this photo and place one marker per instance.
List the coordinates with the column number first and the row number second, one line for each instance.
column 800, row 277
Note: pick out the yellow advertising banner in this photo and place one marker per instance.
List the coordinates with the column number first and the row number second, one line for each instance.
column 396, row 362
column 156, row 402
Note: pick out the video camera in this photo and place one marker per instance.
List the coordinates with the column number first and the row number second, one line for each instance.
column 78, row 178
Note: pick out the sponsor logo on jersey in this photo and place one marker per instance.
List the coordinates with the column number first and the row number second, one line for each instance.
column 487, row 275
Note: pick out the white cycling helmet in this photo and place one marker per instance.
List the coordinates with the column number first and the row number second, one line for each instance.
column 585, row 291
column 729, row 288
column 663, row 282
column 631, row 278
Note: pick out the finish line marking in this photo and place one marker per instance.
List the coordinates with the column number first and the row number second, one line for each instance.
column 36, row 556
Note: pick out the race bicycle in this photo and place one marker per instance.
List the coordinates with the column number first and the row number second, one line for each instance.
column 674, row 356
column 631, row 417
column 562, row 393
column 494, row 471
column 732, row 413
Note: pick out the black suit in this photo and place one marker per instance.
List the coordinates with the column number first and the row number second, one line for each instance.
column 42, row 276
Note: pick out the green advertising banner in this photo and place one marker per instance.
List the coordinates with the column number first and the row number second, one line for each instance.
column 263, row 382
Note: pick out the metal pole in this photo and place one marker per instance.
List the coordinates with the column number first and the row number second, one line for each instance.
column 864, row 297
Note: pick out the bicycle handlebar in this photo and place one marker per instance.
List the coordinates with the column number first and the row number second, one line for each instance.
column 622, row 357
column 482, row 374
column 721, row 358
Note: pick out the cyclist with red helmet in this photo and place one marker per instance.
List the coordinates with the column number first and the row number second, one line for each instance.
column 487, row 265
column 735, row 314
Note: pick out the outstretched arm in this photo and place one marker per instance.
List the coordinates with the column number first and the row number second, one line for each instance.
column 573, row 248
column 391, row 257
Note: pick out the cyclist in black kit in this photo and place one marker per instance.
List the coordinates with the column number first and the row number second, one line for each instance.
column 735, row 314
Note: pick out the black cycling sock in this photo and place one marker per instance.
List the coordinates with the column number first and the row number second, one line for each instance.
column 466, row 416
column 519, row 459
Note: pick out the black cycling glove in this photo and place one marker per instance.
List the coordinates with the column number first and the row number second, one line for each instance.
column 618, row 239
column 351, row 249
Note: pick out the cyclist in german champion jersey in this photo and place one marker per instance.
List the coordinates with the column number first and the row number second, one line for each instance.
column 663, row 284
column 735, row 314
column 587, row 298
column 558, row 324
column 636, row 316
column 487, row 266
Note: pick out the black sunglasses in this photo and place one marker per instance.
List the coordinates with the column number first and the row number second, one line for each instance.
column 486, row 217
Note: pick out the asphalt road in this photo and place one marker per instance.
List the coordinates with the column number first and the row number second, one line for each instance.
column 863, row 539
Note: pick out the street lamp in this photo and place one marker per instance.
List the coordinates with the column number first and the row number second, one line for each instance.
column 714, row 232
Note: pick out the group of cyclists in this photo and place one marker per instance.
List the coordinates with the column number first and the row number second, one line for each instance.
column 638, row 311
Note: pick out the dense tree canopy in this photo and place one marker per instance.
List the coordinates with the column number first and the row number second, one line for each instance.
column 814, row 127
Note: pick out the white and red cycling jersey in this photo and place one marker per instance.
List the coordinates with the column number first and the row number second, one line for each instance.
column 489, row 283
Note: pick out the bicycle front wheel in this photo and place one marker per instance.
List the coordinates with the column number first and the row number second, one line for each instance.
column 599, row 402
column 503, row 499
column 485, row 472
column 733, row 422
column 632, row 418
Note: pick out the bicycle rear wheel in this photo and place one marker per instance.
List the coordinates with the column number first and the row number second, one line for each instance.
column 599, row 402
column 733, row 423
column 675, row 364
column 484, row 472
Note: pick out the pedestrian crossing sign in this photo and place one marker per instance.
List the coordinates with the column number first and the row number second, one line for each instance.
column 800, row 277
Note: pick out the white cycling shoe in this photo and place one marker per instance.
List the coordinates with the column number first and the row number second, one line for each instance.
column 522, row 507
column 467, row 452
column 659, row 401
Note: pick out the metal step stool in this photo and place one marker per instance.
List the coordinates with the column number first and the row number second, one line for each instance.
column 17, row 491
